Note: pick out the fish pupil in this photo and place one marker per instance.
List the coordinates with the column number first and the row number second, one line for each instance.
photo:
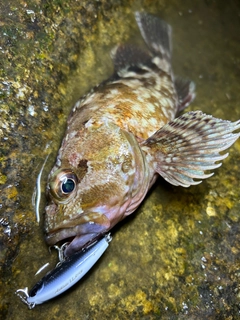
column 68, row 186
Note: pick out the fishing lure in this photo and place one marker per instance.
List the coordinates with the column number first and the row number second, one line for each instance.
column 65, row 275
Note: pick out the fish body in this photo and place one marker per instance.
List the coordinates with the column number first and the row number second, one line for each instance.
column 122, row 134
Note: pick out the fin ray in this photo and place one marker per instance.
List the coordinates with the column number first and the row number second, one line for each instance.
column 178, row 158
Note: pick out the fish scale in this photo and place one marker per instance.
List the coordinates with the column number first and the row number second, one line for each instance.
column 123, row 134
column 121, row 102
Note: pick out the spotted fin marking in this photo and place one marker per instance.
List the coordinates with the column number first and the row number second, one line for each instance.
column 156, row 33
column 187, row 146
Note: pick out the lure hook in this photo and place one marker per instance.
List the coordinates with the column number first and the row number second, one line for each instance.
column 23, row 295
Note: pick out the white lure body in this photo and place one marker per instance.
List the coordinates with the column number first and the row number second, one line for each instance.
column 65, row 275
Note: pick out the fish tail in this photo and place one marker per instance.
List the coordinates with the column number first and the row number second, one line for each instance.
column 156, row 33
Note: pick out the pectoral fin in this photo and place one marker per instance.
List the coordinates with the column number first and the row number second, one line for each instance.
column 185, row 148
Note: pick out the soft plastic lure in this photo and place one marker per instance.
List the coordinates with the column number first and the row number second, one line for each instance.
column 65, row 275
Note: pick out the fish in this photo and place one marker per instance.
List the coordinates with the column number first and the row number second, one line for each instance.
column 123, row 134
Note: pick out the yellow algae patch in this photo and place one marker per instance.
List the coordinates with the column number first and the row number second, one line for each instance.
column 12, row 192
column 211, row 212
column 139, row 300
column 97, row 297
column 168, row 276
column 114, row 291
column 3, row 179
column 170, row 230
column 225, row 202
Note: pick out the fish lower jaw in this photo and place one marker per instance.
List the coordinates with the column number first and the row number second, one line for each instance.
column 74, row 242
column 59, row 237
column 79, row 242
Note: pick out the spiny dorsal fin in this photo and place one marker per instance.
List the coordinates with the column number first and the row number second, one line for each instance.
column 128, row 55
column 156, row 33
column 184, row 148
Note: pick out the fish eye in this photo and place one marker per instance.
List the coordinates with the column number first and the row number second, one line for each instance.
column 62, row 184
column 68, row 186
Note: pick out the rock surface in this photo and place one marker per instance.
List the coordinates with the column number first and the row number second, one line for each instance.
column 178, row 256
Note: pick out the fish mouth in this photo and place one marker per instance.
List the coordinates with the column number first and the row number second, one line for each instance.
column 77, row 243
column 78, row 231
column 77, row 237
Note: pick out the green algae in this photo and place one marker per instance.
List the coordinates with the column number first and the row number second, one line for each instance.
column 177, row 257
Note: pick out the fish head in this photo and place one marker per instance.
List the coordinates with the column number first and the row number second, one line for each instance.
column 99, row 178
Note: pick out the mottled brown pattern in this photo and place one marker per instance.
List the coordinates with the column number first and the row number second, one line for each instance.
column 101, row 142
column 100, row 194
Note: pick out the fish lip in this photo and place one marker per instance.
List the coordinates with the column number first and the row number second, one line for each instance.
column 78, row 235
column 79, row 243
column 75, row 243
column 59, row 235
column 83, row 227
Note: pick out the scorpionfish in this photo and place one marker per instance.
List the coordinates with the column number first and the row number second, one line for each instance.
column 123, row 134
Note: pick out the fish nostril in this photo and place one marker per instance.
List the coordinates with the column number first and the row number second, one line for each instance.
column 83, row 164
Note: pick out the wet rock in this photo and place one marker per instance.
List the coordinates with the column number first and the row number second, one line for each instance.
column 178, row 255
